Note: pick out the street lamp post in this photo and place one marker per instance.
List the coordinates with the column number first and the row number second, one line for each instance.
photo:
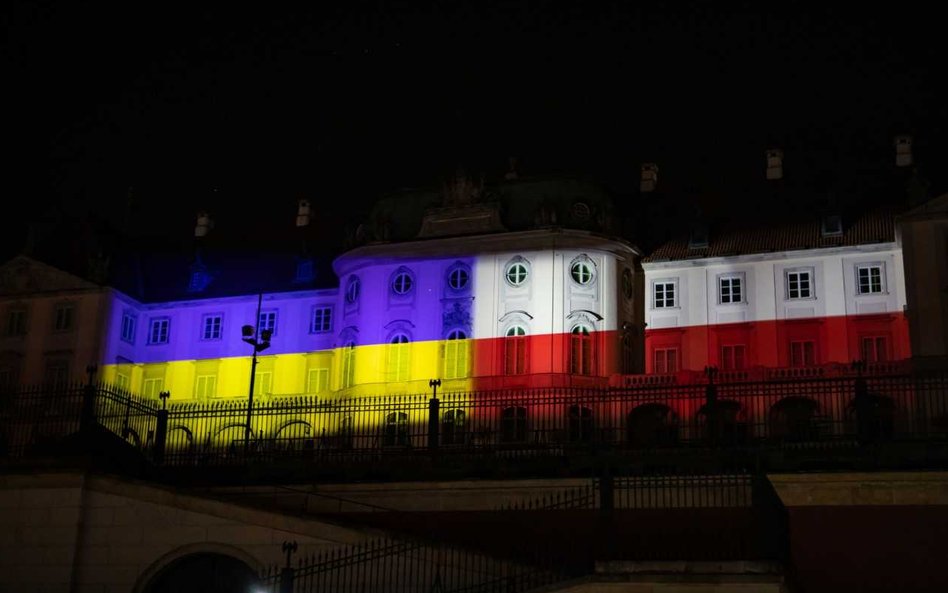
column 260, row 340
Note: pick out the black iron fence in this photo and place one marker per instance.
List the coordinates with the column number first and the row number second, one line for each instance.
column 407, row 566
column 786, row 413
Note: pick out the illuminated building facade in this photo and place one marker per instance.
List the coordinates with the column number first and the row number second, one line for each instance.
column 468, row 297
column 796, row 295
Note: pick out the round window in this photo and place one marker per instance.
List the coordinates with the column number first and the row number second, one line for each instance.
column 352, row 290
column 516, row 273
column 581, row 272
column 627, row 283
column 402, row 283
column 580, row 211
column 458, row 278
column 516, row 331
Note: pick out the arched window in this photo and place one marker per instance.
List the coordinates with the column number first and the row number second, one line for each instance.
column 515, row 351
column 516, row 272
column 396, row 430
column 352, row 290
column 453, row 427
column 456, row 355
column 398, row 358
column 348, row 365
column 513, row 425
column 402, row 282
column 581, row 351
column 458, row 277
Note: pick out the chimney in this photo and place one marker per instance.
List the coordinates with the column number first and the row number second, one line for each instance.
column 649, row 177
column 203, row 225
column 303, row 213
column 774, row 163
column 903, row 150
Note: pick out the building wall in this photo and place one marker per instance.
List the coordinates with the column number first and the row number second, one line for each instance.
column 356, row 354
column 924, row 240
column 834, row 317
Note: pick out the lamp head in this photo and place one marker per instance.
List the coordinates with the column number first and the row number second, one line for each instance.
column 265, row 335
column 247, row 331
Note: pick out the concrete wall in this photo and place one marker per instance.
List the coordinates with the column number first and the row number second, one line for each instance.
column 73, row 532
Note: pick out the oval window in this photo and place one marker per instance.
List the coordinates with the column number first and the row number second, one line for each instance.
column 581, row 272
column 516, row 273
column 402, row 283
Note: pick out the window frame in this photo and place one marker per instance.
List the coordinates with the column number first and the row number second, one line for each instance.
column 508, row 269
column 515, row 350
column 61, row 307
column 327, row 318
column 803, row 361
column 582, row 350
column 276, row 320
column 456, row 353
column 19, row 328
column 736, row 360
column 402, row 284
column 209, row 318
column 151, row 330
column 882, row 278
column 398, row 360
column 673, row 282
column 132, row 326
column 811, row 287
column 459, row 269
column 353, row 290
column 663, row 352
column 584, row 266
column 731, row 277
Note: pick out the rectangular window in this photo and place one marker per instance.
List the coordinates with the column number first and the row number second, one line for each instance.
column 158, row 332
column 455, row 358
column 62, row 321
column 730, row 289
column 733, row 357
column 875, row 349
column 666, row 360
column 212, row 327
column 205, row 386
column 268, row 320
column 799, row 284
column 317, row 381
column 322, row 320
column 151, row 388
column 57, row 373
column 263, row 383
column 122, row 382
column 664, row 295
column 128, row 328
column 869, row 279
column 801, row 354
column 16, row 322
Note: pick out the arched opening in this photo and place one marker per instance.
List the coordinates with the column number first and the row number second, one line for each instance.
column 396, row 430
column 204, row 572
column 513, row 425
column 794, row 419
column 580, row 424
column 652, row 425
column 723, row 423
column 872, row 416
column 453, row 427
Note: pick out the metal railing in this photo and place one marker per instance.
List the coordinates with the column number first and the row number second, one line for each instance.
column 796, row 413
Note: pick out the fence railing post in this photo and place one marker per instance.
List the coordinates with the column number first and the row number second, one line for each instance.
column 866, row 419
column 288, row 575
column 434, row 406
column 711, row 406
column 161, row 430
column 87, row 417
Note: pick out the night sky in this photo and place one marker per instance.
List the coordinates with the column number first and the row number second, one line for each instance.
column 241, row 109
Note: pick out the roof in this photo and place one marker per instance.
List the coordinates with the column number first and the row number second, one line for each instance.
column 874, row 226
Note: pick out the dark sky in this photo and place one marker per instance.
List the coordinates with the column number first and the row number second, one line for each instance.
column 240, row 109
